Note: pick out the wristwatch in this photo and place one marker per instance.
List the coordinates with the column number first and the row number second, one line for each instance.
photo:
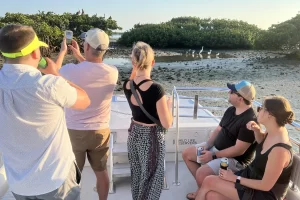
column 238, row 179
column 214, row 155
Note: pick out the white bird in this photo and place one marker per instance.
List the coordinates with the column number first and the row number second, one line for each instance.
column 209, row 52
column 217, row 54
column 193, row 51
column 182, row 27
column 201, row 50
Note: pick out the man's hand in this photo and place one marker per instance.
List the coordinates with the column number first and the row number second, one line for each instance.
column 206, row 156
column 51, row 68
column 75, row 48
column 64, row 47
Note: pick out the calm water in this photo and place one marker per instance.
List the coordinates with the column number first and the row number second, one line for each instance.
column 166, row 59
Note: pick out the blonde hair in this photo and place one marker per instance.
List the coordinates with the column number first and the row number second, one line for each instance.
column 142, row 55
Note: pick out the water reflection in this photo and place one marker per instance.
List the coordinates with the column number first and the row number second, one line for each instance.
column 168, row 59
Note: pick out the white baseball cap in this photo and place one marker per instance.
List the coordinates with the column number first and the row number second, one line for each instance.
column 97, row 39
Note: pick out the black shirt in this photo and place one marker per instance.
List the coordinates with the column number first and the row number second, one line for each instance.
column 234, row 128
column 149, row 99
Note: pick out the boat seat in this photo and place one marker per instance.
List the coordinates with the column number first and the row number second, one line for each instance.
column 295, row 179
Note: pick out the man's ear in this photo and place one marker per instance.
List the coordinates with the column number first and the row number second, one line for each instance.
column 88, row 46
column 36, row 54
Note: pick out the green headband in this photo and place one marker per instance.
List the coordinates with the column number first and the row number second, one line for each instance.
column 27, row 50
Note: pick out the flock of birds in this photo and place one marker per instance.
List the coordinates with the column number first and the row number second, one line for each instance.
column 80, row 12
column 193, row 53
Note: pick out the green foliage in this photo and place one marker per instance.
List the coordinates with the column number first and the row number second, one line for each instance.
column 285, row 35
column 50, row 27
column 192, row 32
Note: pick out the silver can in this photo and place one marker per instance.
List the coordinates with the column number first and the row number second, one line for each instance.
column 199, row 153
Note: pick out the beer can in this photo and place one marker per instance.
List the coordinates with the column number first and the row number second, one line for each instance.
column 224, row 163
column 199, row 152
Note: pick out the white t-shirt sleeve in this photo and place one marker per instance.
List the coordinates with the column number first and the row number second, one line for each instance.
column 64, row 94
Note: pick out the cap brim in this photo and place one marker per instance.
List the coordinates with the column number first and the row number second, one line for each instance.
column 231, row 87
column 43, row 44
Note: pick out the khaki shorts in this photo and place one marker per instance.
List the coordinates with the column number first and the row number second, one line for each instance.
column 94, row 144
column 234, row 165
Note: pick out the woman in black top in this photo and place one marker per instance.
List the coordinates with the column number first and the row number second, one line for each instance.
column 268, row 176
column 146, row 145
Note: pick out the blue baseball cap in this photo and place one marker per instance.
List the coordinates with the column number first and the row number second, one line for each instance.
column 244, row 88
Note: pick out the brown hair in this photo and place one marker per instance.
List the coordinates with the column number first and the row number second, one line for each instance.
column 142, row 55
column 280, row 108
column 13, row 38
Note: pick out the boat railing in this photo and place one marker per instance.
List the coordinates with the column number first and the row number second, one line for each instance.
column 175, row 112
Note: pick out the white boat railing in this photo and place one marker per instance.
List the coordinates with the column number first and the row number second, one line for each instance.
column 176, row 99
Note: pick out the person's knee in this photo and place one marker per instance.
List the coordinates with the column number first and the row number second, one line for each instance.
column 209, row 181
column 211, row 195
column 101, row 175
column 202, row 173
column 189, row 153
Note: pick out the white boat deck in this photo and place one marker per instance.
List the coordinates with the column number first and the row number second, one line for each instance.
column 123, row 190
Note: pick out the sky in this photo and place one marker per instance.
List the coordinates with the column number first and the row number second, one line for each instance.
column 262, row 13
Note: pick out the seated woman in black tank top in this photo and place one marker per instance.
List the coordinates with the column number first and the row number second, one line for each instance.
column 146, row 145
column 268, row 176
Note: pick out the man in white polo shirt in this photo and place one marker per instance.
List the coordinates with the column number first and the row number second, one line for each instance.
column 34, row 139
column 89, row 129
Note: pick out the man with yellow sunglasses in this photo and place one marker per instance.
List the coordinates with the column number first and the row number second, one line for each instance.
column 37, row 152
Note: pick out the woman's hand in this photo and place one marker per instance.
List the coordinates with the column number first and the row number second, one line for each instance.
column 227, row 175
column 252, row 125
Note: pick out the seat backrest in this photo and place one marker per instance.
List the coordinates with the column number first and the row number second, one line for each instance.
column 295, row 178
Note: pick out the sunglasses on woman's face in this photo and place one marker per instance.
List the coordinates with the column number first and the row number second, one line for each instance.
column 259, row 108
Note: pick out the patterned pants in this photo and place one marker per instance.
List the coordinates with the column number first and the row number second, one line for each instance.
column 146, row 152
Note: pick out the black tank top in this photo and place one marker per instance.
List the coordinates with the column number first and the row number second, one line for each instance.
column 149, row 99
column 260, row 162
column 259, row 165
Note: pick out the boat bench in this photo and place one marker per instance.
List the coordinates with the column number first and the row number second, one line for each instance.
column 294, row 193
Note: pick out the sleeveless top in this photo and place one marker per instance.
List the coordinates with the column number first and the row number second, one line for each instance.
column 149, row 98
column 257, row 168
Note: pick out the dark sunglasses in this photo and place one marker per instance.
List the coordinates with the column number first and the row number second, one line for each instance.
column 233, row 92
column 259, row 108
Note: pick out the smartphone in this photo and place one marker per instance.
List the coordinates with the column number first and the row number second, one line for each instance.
column 69, row 36
column 43, row 63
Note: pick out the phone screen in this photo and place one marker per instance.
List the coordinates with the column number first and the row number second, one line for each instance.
column 43, row 63
column 69, row 36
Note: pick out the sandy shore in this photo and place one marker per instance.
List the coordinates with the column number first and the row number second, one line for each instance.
column 270, row 73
